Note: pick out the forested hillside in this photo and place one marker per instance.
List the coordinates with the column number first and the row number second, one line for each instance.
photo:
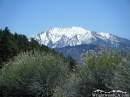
column 13, row 44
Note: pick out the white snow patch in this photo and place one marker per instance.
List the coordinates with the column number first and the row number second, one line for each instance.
column 106, row 35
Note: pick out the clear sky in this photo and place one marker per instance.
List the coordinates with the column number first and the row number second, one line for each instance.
column 30, row 17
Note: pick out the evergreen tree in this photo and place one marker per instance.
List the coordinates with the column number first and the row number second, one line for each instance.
column 5, row 45
column 34, row 45
column 71, row 62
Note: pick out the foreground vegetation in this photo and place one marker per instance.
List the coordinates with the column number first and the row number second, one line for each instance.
column 34, row 75
column 106, row 70
column 46, row 73
column 49, row 75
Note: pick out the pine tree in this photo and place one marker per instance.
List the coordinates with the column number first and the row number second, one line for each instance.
column 71, row 62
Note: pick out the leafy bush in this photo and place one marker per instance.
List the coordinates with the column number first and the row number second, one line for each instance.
column 36, row 76
column 105, row 70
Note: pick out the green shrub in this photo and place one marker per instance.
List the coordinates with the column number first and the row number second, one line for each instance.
column 105, row 70
column 36, row 75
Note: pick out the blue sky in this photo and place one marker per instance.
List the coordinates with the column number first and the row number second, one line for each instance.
column 30, row 17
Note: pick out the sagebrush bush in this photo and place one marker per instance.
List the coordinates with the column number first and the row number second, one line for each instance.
column 34, row 75
column 105, row 70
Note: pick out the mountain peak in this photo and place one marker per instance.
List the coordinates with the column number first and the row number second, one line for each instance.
column 74, row 27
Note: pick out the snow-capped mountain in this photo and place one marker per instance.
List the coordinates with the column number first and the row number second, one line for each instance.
column 61, row 37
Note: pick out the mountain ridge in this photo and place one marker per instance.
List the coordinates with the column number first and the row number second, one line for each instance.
column 61, row 37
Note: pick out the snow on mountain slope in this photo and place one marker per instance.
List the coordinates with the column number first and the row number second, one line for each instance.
column 61, row 37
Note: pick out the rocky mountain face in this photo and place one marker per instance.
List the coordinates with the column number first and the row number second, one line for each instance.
column 76, row 51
